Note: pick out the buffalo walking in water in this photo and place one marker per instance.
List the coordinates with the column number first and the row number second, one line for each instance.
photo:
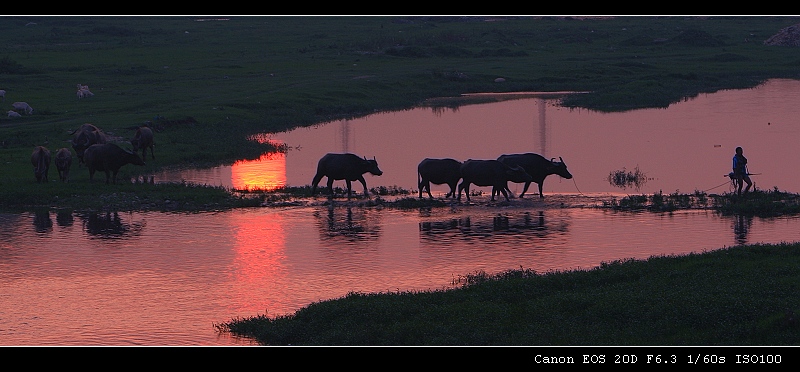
column 438, row 172
column 63, row 163
column 348, row 167
column 490, row 173
column 143, row 139
column 109, row 158
column 40, row 158
column 537, row 166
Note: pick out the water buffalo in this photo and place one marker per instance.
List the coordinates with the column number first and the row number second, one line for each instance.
column 40, row 158
column 438, row 171
column 63, row 163
column 109, row 158
column 537, row 166
column 490, row 173
column 84, row 137
column 143, row 139
column 348, row 167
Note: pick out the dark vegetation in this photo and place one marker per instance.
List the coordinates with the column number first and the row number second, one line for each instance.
column 208, row 86
column 734, row 296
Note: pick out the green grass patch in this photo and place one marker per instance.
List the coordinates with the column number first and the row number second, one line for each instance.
column 736, row 296
column 209, row 85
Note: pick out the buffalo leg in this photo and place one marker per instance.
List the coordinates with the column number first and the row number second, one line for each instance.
column 525, row 189
column 330, row 187
column 452, row 190
column 349, row 188
column 315, row 182
column 463, row 186
column 540, row 190
column 423, row 183
column 364, row 183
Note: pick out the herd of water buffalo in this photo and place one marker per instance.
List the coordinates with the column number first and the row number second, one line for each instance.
column 519, row 168
column 93, row 148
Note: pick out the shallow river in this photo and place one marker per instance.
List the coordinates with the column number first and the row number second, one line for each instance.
column 167, row 278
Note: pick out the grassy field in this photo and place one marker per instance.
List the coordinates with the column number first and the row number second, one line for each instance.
column 737, row 296
column 207, row 85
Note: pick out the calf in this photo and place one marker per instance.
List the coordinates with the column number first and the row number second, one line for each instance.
column 63, row 163
column 143, row 139
column 40, row 158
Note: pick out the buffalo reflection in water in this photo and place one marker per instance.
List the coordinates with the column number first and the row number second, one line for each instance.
column 64, row 217
column 347, row 224
column 505, row 227
column 109, row 225
column 42, row 221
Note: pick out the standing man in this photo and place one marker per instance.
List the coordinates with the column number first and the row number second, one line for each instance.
column 740, row 173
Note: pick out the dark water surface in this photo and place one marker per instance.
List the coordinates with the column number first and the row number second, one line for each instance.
column 167, row 278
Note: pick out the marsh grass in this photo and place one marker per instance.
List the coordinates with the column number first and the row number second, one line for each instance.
column 624, row 178
column 209, row 87
column 761, row 203
column 741, row 295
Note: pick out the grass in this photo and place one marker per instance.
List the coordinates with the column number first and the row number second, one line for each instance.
column 741, row 295
column 761, row 203
column 208, row 86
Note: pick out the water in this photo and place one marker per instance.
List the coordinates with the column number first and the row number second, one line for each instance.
column 166, row 278
column 686, row 147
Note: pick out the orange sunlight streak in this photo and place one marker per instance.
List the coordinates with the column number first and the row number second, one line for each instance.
column 267, row 173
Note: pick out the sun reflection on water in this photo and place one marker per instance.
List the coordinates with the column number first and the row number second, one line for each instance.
column 267, row 173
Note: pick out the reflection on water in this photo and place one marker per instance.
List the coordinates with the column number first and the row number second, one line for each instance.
column 524, row 226
column 109, row 225
column 741, row 226
column 266, row 173
column 179, row 274
column 64, row 217
column 351, row 227
column 685, row 147
column 42, row 221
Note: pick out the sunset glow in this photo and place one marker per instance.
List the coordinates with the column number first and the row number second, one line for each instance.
column 267, row 173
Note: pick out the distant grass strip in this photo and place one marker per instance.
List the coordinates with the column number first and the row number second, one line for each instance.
column 743, row 296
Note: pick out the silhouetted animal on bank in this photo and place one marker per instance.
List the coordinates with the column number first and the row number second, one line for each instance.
column 348, row 167
column 109, row 158
column 84, row 137
column 143, row 139
column 40, row 158
column 63, row 163
column 537, row 166
column 490, row 173
column 438, row 172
